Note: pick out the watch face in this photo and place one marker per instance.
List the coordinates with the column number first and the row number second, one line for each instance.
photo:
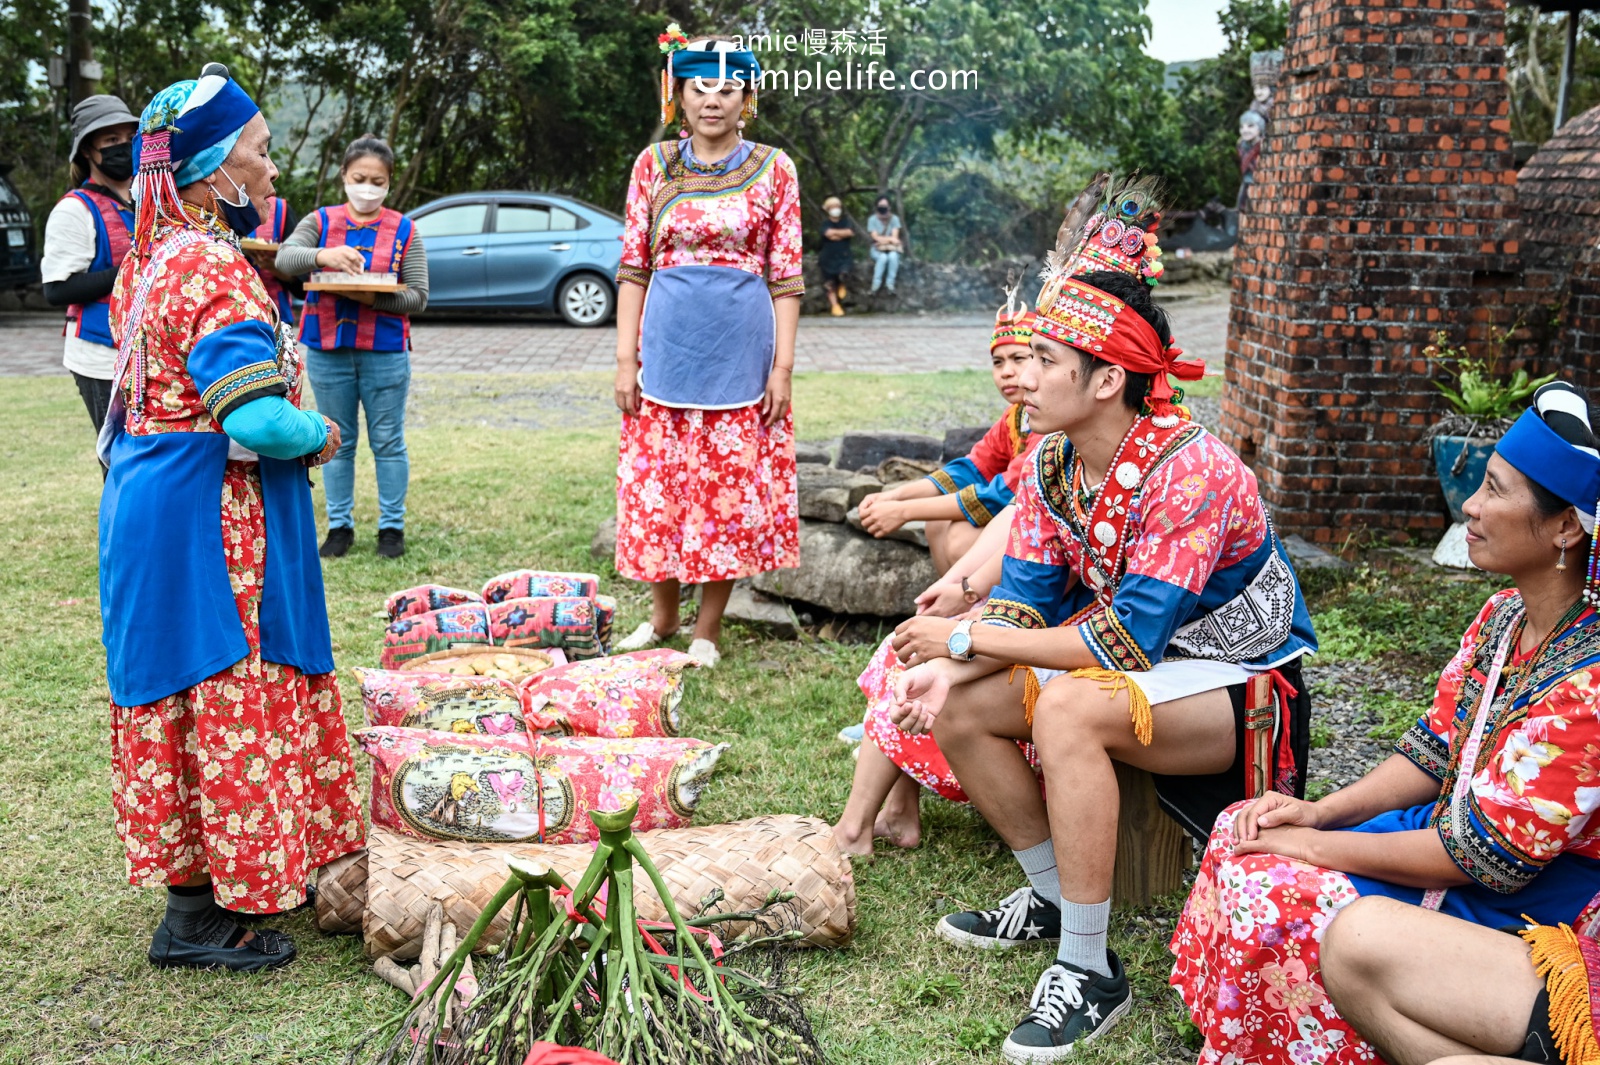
column 960, row 643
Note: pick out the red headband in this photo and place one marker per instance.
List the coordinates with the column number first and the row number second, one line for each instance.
column 1102, row 325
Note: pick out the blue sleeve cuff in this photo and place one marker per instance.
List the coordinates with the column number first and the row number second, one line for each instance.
column 276, row 428
column 236, row 364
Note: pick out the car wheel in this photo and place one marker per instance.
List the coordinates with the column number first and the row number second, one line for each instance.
column 584, row 300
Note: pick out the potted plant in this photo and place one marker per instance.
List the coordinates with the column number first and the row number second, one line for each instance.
column 1485, row 401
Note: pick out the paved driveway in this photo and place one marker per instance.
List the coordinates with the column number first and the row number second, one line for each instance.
column 30, row 343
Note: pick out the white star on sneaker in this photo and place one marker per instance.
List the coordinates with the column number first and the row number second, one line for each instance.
column 1093, row 1010
column 1033, row 930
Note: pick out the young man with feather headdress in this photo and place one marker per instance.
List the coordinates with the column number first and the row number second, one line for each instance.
column 1144, row 594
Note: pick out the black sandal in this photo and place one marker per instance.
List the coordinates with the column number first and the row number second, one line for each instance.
column 266, row 949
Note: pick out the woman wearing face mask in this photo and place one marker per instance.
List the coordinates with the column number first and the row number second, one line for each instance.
column 358, row 344
column 708, row 301
column 884, row 230
column 85, row 239
column 231, row 771
column 835, row 260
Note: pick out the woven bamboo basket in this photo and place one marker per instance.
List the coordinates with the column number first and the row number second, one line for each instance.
column 746, row 859
column 434, row 661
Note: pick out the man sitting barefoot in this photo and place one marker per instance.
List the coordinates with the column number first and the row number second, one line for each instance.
column 1142, row 588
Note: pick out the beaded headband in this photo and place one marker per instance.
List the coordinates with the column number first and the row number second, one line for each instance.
column 1013, row 323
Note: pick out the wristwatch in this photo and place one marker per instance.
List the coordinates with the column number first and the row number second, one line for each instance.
column 969, row 593
column 960, row 642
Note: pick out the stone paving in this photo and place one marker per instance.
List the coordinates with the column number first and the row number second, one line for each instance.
column 30, row 343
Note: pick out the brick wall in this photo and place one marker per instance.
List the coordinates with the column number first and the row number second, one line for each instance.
column 1383, row 210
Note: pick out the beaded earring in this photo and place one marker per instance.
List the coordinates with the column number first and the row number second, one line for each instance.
column 1591, row 587
column 1561, row 563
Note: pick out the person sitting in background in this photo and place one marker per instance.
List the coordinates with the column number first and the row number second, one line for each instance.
column 1484, row 811
column 85, row 239
column 963, row 497
column 358, row 344
column 1422, row 986
column 835, row 260
column 883, row 229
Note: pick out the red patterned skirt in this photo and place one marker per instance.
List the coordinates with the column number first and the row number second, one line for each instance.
column 919, row 757
column 1247, row 950
column 247, row 776
column 705, row 495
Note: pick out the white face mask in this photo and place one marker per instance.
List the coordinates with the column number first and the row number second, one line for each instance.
column 834, row 212
column 366, row 198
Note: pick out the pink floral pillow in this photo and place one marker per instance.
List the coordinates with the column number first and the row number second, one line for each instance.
column 439, row 785
column 623, row 696
column 446, row 703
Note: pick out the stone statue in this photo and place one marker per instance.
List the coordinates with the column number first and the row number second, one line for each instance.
column 1264, row 68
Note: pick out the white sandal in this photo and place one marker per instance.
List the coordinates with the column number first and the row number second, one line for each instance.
column 705, row 652
column 644, row 636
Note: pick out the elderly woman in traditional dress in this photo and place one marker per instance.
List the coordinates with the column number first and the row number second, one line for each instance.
column 1484, row 813
column 231, row 771
column 706, row 481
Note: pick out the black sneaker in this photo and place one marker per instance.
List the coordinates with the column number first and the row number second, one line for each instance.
column 1069, row 1006
column 337, row 545
column 1024, row 916
column 391, row 542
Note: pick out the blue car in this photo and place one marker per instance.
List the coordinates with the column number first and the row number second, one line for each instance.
column 521, row 251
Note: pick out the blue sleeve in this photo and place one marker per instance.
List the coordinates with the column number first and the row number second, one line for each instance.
column 276, row 428
column 955, row 476
column 235, row 364
column 1030, row 595
column 981, row 502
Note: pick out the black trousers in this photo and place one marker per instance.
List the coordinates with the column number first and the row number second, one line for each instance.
column 97, row 399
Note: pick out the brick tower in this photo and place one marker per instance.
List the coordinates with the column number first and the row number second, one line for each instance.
column 1383, row 210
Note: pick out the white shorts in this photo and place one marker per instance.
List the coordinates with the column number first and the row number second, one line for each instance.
column 1169, row 681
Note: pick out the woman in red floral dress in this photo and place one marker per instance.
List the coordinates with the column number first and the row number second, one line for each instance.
column 231, row 771
column 707, row 307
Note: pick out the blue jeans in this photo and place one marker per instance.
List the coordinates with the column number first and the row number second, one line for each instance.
column 344, row 379
column 884, row 261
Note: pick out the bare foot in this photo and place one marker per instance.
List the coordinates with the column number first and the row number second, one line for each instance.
column 852, row 841
column 903, row 828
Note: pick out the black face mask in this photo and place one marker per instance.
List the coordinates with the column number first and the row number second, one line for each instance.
column 242, row 218
column 116, row 162
column 883, row 210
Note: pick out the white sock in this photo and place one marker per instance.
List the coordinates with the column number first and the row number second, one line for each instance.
column 1039, row 862
column 1083, row 935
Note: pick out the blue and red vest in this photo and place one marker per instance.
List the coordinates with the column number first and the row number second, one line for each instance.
column 332, row 321
column 113, row 236
column 272, row 230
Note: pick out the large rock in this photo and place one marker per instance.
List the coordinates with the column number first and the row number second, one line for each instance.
column 604, row 544
column 958, row 442
column 751, row 608
column 827, row 494
column 808, row 454
column 848, row 572
column 859, row 451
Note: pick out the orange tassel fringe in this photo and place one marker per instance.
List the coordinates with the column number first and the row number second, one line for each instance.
column 1557, row 959
column 1030, row 691
column 1138, row 703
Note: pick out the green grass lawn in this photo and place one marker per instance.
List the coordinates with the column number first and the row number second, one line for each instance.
column 499, row 480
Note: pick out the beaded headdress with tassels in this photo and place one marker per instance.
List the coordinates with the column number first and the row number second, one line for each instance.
column 155, row 192
column 706, row 58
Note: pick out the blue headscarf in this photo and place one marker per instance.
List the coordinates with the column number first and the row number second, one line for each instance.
column 206, row 116
column 711, row 60
column 1542, row 446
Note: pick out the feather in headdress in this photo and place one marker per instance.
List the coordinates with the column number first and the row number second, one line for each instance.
column 1110, row 225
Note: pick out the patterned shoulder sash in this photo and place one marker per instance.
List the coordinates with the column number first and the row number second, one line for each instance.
column 681, row 184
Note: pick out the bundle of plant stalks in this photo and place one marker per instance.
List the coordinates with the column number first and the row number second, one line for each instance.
column 579, row 968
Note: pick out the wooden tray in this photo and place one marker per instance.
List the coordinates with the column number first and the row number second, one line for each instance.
column 438, row 661
column 332, row 281
column 251, row 244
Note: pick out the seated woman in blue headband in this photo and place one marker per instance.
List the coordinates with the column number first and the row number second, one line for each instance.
column 1486, row 810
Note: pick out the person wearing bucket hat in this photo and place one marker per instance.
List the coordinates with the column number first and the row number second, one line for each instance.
column 85, row 238
column 232, row 777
